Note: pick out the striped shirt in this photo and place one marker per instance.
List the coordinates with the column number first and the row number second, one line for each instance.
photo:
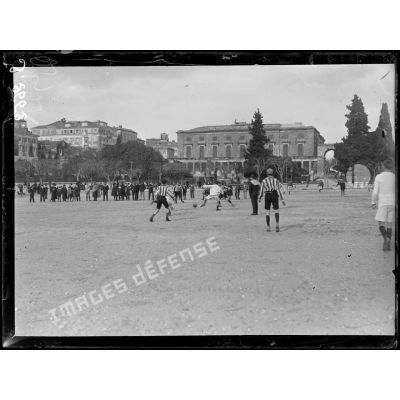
column 271, row 184
column 164, row 190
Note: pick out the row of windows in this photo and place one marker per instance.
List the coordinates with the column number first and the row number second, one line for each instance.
column 285, row 149
column 214, row 138
column 243, row 137
column 79, row 131
column 242, row 151
column 228, row 151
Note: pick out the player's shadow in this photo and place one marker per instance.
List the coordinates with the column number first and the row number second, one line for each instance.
column 288, row 227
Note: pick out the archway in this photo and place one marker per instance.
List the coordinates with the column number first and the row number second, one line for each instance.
column 326, row 164
column 362, row 176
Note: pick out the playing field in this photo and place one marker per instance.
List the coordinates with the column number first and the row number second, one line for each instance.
column 323, row 273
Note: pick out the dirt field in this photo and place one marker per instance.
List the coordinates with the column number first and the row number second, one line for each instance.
column 323, row 273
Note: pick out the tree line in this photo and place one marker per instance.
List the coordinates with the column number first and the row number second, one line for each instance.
column 131, row 161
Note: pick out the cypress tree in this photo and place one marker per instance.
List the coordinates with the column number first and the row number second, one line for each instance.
column 257, row 153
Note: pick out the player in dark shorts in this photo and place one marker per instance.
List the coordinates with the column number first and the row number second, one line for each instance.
column 161, row 199
column 271, row 188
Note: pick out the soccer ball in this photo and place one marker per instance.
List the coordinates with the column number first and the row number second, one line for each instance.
column 194, row 205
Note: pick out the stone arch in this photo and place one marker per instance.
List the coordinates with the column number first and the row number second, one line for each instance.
column 323, row 149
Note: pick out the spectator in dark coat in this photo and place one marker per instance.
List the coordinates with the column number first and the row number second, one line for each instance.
column 64, row 193
column 114, row 191
column 151, row 191
column 254, row 191
column 142, row 188
column 137, row 188
column 31, row 191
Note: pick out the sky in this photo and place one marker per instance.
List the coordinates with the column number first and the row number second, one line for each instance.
column 156, row 99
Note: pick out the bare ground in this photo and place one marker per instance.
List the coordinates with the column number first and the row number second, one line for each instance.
column 323, row 273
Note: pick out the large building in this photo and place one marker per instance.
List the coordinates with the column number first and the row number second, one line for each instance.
column 25, row 143
column 127, row 135
column 84, row 134
column 222, row 148
column 168, row 149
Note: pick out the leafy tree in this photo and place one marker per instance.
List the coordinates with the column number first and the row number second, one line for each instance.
column 278, row 164
column 91, row 169
column 176, row 171
column 44, row 168
column 110, row 169
column 73, row 167
column 356, row 147
column 24, row 169
column 257, row 154
column 134, row 156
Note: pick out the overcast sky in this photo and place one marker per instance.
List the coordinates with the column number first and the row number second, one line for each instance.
column 151, row 100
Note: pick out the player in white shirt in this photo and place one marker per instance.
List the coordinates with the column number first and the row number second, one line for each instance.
column 383, row 198
column 217, row 192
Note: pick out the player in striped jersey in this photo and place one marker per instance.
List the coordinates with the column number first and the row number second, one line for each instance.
column 162, row 193
column 271, row 188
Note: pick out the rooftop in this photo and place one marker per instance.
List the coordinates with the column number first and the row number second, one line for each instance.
column 243, row 126
column 62, row 124
column 23, row 132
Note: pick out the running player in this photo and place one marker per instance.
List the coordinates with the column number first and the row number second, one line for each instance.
column 384, row 194
column 217, row 192
column 161, row 195
column 272, row 189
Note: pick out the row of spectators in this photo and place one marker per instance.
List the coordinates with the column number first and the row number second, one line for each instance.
column 94, row 191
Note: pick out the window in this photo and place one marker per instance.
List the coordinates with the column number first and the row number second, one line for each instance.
column 215, row 139
column 242, row 151
column 271, row 147
column 242, row 137
column 300, row 149
column 215, row 151
column 228, row 137
column 188, row 152
column 188, row 138
column 285, row 150
column 228, row 151
column 201, row 139
column 201, row 152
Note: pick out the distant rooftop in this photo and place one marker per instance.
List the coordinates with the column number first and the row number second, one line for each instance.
column 62, row 124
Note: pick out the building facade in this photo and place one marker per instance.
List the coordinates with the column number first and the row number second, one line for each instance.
column 127, row 135
column 84, row 134
column 168, row 149
column 222, row 148
column 25, row 142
